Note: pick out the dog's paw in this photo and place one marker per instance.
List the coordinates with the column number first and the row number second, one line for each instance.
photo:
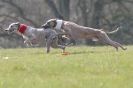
column 65, row 53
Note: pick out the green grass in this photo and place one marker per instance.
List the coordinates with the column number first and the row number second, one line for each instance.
column 85, row 67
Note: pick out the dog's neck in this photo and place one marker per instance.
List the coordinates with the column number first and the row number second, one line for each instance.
column 59, row 24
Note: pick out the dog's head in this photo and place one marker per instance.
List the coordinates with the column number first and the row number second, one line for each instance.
column 50, row 24
column 53, row 24
column 13, row 27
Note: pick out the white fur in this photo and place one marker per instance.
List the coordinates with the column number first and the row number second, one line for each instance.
column 59, row 24
column 29, row 30
column 29, row 36
column 94, row 39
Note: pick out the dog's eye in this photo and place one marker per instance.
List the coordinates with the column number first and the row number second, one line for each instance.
column 11, row 26
column 48, row 23
column 51, row 24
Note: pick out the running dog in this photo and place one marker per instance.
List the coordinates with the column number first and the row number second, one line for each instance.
column 75, row 31
column 33, row 35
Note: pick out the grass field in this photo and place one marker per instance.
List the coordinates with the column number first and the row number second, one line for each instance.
column 85, row 67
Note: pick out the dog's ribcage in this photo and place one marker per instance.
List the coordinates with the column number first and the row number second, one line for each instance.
column 39, row 34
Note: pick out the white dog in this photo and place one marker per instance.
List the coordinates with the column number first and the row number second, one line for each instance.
column 35, row 35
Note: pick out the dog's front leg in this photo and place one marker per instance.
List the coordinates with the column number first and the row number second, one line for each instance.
column 28, row 43
column 48, row 44
column 27, row 40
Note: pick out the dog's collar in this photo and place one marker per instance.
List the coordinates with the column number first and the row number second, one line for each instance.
column 22, row 28
column 59, row 24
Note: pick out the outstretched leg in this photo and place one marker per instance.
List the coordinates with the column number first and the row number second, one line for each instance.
column 102, row 36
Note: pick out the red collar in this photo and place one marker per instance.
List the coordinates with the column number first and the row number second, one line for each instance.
column 22, row 28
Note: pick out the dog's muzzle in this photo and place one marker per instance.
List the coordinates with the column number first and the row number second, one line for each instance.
column 6, row 30
column 9, row 31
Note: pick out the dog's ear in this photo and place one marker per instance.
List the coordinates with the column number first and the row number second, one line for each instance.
column 17, row 23
column 52, row 22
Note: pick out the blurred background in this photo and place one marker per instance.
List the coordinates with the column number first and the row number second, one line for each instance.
column 106, row 14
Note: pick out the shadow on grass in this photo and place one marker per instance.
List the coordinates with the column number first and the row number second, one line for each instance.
column 77, row 52
column 88, row 52
column 82, row 52
column 71, row 52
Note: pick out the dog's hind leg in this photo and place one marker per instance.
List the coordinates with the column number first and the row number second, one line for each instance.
column 56, row 45
column 104, row 38
column 109, row 43
column 119, row 45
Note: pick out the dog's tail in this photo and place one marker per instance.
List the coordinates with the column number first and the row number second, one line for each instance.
column 112, row 32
